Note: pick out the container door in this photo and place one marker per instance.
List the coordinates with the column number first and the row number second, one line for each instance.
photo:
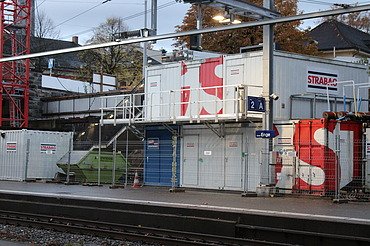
column 190, row 163
column 252, row 169
column 235, row 76
column 211, row 161
column 152, row 161
column 233, row 162
column 154, row 97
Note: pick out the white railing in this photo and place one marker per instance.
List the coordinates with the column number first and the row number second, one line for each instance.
column 188, row 104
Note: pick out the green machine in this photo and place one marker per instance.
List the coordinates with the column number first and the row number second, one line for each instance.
column 85, row 166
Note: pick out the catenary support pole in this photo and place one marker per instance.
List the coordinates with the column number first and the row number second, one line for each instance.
column 154, row 18
column 268, row 50
column 145, row 44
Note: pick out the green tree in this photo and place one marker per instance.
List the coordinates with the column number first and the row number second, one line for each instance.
column 287, row 35
column 122, row 61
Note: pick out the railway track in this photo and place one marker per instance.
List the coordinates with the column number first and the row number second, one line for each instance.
column 121, row 231
column 175, row 226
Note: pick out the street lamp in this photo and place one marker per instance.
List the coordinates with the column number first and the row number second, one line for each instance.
column 226, row 18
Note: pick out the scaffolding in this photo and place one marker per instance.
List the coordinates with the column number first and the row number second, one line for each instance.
column 14, row 75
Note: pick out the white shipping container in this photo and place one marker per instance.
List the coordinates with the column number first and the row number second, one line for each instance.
column 231, row 162
column 193, row 88
column 27, row 154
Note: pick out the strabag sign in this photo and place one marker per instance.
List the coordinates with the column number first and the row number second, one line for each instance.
column 320, row 81
column 11, row 146
column 48, row 148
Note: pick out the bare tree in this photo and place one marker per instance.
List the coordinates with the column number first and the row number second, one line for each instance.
column 122, row 61
column 44, row 26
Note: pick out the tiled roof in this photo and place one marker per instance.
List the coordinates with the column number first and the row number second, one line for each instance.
column 332, row 33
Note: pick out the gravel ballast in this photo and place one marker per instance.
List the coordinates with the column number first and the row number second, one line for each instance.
column 41, row 237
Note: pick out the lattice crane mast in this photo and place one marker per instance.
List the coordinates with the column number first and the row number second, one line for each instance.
column 15, row 39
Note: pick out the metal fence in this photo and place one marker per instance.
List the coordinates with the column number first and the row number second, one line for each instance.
column 332, row 166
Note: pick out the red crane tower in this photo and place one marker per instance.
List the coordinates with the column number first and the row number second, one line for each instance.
column 15, row 36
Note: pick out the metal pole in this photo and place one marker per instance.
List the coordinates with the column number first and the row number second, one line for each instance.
column 174, row 161
column 126, row 173
column 69, row 158
column 27, row 158
column 199, row 23
column 337, row 161
column 99, row 153
column 195, row 32
column 268, row 37
column 101, row 78
column 145, row 44
column 154, row 17
column 114, row 162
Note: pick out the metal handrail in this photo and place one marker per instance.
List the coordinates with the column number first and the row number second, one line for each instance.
column 226, row 105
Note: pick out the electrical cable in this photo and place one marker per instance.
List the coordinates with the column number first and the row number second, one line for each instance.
column 83, row 12
column 165, row 5
column 63, row 85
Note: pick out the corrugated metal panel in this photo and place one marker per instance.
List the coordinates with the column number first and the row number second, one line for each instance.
column 230, row 163
column 158, row 157
column 13, row 158
column 31, row 154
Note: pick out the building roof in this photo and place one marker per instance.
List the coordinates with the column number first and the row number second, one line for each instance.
column 332, row 33
column 66, row 61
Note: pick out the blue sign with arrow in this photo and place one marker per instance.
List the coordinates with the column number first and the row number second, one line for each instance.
column 265, row 134
column 257, row 104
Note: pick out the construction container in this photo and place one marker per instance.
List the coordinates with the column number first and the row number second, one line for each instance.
column 159, row 156
column 84, row 165
column 221, row 157
column 195, row 89
column 27, row 154
column 319, row 156
column 367, row 168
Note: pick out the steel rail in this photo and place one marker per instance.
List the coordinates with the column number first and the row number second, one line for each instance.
column 121, row 231
column 279, row 20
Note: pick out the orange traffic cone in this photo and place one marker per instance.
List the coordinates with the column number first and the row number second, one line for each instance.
column 136, row 183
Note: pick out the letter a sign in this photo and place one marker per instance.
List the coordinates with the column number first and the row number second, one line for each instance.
column 257, row 104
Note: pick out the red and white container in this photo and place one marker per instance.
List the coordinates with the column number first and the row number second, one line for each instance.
column 321, row 154
column 210, row 86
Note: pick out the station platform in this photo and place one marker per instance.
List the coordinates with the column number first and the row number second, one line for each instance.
column 302, row 206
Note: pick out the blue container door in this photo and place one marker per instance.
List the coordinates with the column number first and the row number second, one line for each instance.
column 152, row 161
column 158, row 157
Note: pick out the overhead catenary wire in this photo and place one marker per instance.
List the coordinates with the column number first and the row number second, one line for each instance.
column 195, row 32
column 83, row 12
column 133, row 16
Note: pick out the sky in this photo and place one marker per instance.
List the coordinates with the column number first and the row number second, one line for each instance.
column 79, row 17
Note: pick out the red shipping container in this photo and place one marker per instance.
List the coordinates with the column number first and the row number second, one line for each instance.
column 328, row 152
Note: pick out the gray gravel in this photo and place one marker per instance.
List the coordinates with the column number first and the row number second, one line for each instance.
column 38, row 237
